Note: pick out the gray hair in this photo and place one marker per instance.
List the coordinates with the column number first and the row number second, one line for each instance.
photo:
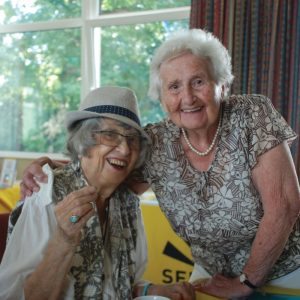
column 81, row 139
column 198, row 42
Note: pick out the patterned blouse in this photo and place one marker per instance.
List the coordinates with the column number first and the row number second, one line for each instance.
column 120, row 245
column 217, row 212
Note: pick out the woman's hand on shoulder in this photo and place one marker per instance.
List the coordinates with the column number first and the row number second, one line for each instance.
column 223, row 287
column 176, row 291
column 34, row 174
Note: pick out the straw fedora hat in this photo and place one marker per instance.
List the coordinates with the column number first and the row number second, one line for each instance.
column 118, row 103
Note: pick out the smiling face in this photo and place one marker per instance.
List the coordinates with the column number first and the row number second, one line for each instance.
column 107, row 165
column 189, row 93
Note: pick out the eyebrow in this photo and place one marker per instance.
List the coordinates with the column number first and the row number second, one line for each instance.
column 129, row 130
column 176, row 81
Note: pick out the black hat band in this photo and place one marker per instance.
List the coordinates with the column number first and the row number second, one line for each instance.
column 116, row 110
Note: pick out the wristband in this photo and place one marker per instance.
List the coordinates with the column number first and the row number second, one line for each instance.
column 244, row 280
column 146, row 288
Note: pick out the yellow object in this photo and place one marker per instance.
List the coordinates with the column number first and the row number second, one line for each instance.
column 279, row 291
column 170, row 258
column 201, row 296
column 9, row 198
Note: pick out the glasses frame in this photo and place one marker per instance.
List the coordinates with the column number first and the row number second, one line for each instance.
column 132, row 144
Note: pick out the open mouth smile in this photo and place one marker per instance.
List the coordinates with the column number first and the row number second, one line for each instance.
column 195, row 109
column 116, row 163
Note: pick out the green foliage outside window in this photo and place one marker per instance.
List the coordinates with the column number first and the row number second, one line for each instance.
column 40, row 74
column 118, row 6
column 40, row 71
column 24, row 11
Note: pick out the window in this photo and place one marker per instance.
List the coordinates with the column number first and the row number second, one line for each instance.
column 53, row 52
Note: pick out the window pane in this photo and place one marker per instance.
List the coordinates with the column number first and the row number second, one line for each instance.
column 23, row 11
column 114, row 6
column 39, row 81
column 125, row 57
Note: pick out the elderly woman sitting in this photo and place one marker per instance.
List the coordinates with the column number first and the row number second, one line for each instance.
column 81, row 236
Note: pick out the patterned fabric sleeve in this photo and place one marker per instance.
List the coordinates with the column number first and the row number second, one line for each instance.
column 141, row 174
column 267, row 128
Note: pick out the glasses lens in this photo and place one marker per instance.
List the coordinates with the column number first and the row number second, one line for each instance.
column 113, row 139
column 133, row 141
column 109, row 138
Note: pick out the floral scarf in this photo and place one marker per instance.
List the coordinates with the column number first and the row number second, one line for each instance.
column 88, row 261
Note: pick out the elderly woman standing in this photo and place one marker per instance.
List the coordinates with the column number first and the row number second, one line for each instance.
column 81, row 236
column 221, row 169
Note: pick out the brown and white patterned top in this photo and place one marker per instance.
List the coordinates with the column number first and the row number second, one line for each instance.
column 218, row 211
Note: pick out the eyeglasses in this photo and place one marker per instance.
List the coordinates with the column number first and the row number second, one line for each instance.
column 114, row 139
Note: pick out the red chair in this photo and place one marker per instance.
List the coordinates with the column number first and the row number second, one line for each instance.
column 3, row 232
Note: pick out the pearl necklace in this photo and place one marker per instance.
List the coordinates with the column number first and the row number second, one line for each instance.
column 209, row 148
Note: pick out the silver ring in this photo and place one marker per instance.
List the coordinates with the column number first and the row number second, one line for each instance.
column 93, row 205
column 74, row 219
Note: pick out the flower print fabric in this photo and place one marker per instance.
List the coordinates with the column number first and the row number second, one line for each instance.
column 218, row 211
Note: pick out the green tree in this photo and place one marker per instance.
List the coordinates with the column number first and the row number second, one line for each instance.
column 40, row 71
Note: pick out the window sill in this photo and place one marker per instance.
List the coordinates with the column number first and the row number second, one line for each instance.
column 31, row 155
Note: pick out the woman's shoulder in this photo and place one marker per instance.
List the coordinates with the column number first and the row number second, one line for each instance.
column 248, row 108
column 161, row 131
column 248, row 101
column 155, row 127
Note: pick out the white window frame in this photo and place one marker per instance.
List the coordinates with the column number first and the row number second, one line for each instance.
column 90, row 45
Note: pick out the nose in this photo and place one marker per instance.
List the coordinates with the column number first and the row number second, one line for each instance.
column 188, row 95
column 123, row 147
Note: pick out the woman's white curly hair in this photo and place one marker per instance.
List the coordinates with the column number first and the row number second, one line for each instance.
column 202, row 44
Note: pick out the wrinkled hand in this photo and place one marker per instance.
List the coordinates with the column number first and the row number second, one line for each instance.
column 34, row 174
column 76, row 203
column 223, row 287
column 177, row 291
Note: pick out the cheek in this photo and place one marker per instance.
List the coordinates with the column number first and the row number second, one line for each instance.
column 97, row 160
column 209, row 94
column 170, row 104
column 135, row 155
column 212, row 97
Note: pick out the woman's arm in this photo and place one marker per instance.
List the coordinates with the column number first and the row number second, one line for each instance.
column 49, row 277
column 34, row 174
column 176, row 291
column 275, row 178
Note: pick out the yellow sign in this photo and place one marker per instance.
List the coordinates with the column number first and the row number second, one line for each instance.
column 170, row 259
